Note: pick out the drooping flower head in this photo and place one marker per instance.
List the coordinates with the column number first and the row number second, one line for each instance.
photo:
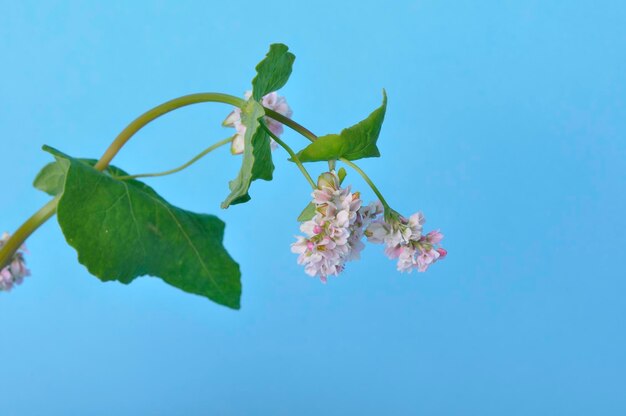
column 273, row 101
column 404, row 241
column 334, row 235
column 15, row 272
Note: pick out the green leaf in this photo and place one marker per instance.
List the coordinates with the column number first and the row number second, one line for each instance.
column 356, row 142
column 273, row 71
column 307, row 213
column 51, row 178
column 124, row 229
column 257, row 156
column 341, row 175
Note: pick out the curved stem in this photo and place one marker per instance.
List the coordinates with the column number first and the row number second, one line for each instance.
column 21, row 234
column 331, row 163
column 296, row 127
column 368, row 180
column 292, row 154
column 157, row 112
column 181, row 167
column 291, row 124
column 48, row 210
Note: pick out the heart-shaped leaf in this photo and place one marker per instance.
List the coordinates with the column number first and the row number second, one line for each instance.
column 123, row 229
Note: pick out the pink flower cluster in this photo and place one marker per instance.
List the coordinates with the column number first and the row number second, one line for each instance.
column 16, row 271
column 273, row 101
column 404, row 241
column 333, row 236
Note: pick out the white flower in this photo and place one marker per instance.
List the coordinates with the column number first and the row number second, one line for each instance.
column 404, row 241
column 15, row 272
column 364, row 216
column 415, row 224
column 323, row 249
column 406, row 259
column 395, row 233
column 273, row 101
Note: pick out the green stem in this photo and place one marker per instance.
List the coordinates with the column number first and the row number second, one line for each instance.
column 157, row 112
column 331, row 163
column 181, row 167
column 21, row 234
column 292, row 154
column 48, row 210
column 291, row 124
column 369, row 182
column 296, row 127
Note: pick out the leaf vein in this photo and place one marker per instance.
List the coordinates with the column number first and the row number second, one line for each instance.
column 132, row 213
column 192, row 245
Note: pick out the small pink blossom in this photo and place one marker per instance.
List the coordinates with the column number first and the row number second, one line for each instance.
column 426, row 258
column 364, row 216
column 273, row 101
column 398, row 232
column 15, row 272
column 405, row 243
column 434, row 237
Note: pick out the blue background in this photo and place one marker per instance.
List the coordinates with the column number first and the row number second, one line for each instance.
column 506, row 126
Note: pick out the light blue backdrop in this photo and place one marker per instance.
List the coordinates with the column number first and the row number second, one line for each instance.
column 506, row 126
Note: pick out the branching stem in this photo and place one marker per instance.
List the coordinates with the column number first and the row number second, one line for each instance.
column 292, row 154
column 369, row 182
column 48, row 210
column 181, row 167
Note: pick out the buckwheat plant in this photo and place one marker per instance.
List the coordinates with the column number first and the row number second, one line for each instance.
column 122, row 229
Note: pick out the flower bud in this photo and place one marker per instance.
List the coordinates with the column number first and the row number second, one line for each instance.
column 328, row 180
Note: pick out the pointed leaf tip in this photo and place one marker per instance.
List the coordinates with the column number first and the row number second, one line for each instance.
column 356, row 142
column 273, row 71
